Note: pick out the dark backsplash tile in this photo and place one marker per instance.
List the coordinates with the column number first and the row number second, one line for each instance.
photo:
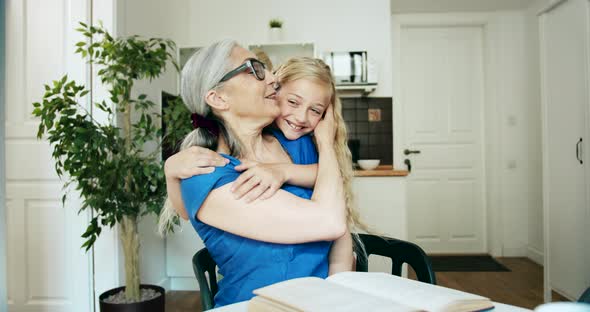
column 375, row 137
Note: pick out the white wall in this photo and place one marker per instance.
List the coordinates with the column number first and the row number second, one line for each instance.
column 520, row 135
column 516, row 133
column 331, row 25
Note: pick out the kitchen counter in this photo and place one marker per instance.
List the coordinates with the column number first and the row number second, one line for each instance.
column 381, row 171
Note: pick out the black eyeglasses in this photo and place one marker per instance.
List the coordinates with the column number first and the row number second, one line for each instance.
column 256, row 66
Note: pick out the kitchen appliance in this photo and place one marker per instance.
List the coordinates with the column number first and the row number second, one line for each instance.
column 349, row 67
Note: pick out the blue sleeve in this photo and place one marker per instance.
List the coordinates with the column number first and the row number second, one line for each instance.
column 302, row 151
column 195, row 190
column 308, row 150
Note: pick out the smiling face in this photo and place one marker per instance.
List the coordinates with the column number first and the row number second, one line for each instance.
column 302, row 103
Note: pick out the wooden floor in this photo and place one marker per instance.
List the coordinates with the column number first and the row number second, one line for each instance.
column 522, row 287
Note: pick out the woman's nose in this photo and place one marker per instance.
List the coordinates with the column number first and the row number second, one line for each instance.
column 270, row 78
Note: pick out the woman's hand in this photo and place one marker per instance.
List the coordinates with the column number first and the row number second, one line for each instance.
column 325, row 131
column 192, row 161
column 259, row 181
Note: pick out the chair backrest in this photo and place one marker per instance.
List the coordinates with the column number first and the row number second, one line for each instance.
column 585, row 297
column 399, row 252
column 203, row 263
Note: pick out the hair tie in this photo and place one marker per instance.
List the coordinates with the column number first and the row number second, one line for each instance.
column 202, row 122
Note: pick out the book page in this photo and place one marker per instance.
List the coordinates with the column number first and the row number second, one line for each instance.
column 410, row 292
column 316, row 294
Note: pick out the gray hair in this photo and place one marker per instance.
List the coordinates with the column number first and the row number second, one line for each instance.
column 202, row 73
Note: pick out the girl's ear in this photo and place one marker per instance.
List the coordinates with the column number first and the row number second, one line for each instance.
column 216, row 100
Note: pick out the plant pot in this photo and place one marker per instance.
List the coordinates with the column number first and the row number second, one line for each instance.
column 153, row 305
column 276, row 34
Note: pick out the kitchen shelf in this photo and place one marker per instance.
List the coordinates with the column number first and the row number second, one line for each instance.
column 364, row 89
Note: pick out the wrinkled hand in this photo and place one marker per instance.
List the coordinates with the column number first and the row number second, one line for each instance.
column 192, row 161
column 325, row 131
column 258, row 181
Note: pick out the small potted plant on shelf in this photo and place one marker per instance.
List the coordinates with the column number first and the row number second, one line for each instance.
column 276, row 29
column 106, row 161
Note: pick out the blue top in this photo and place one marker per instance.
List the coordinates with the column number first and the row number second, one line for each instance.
column 248, row 264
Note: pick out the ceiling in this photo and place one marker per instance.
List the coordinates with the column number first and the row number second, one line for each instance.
column 438, row 6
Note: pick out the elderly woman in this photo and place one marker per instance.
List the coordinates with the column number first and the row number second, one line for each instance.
column 232, row 98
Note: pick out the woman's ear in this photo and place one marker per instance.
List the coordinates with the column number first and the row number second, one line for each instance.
column 216, row 100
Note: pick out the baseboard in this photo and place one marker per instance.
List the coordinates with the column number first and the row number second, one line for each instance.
column 514, row 252
column 164, row 283
column 183, row 283
column 535, row 255
column 563, row 293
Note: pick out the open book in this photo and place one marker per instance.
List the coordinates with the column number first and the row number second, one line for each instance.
column 356, row 291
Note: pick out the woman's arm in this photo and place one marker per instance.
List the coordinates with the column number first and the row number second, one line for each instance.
column 185, row 164
column 341, row 256
column 284, row 217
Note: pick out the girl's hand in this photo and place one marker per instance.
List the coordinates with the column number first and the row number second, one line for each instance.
column 325, row 131
column 258, row 181
column 192, row 161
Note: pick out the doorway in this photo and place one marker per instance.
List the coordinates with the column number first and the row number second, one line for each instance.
column 442, row 95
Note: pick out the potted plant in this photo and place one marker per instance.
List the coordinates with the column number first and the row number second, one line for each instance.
column 117, row 179
column 276, row 29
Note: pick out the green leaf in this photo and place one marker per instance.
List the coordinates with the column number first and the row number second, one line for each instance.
column 114, row 179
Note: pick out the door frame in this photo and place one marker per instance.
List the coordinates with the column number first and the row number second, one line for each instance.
column 491, row 110
column 3, row 238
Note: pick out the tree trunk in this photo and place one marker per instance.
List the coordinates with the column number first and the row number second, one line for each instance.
column 128, row 226
column 130, row 240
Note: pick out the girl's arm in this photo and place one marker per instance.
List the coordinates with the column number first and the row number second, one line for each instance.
column 284, row 217
column 341, row 257
column 261, row 181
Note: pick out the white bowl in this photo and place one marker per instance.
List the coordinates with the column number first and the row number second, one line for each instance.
column 368, row 164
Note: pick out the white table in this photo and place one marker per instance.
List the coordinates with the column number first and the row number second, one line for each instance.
column 243, row 307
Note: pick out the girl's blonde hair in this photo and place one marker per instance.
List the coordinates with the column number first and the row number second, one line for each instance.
column 317, row 71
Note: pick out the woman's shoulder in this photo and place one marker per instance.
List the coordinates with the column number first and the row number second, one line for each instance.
column 226, row 173
column 195, row 189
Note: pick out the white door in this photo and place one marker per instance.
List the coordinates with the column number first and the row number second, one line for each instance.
column 564, row 50
column 47, row 270
column 442, row 99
